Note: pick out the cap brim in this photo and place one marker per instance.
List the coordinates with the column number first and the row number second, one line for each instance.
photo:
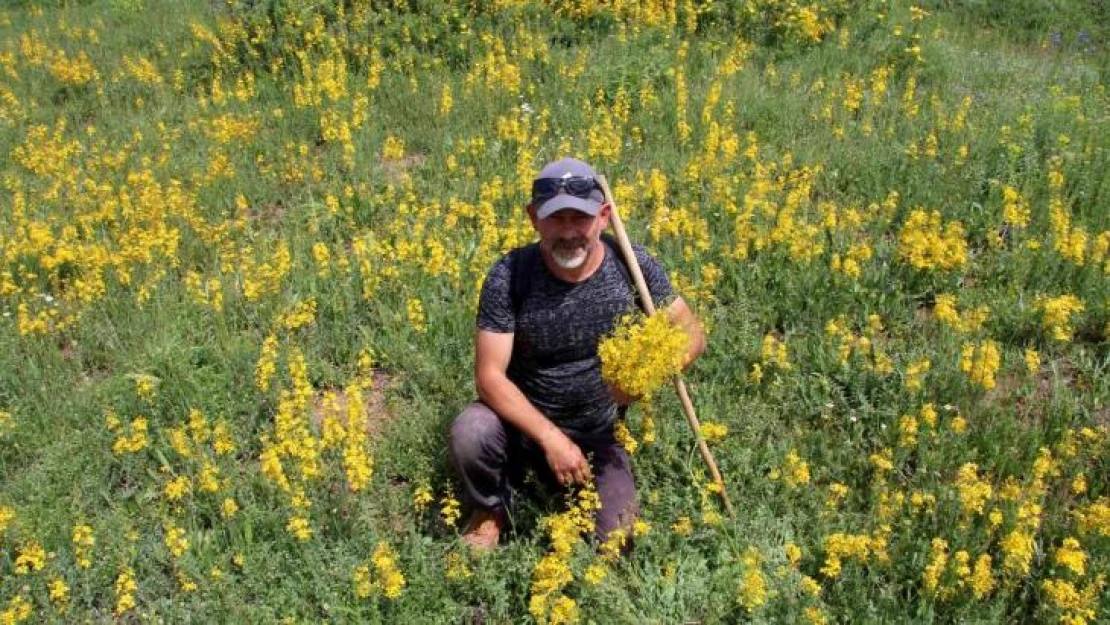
column 559, row 202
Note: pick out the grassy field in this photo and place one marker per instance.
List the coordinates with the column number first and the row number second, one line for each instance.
column 242, row 243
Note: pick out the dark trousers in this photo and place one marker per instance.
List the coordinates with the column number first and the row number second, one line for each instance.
column 490, row 454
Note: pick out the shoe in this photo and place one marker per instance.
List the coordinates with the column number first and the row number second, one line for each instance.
column 483, row 530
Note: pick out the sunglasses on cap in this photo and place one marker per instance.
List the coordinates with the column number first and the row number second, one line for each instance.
column 544, row 189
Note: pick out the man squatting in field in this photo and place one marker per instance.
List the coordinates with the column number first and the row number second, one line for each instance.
column 542, row 402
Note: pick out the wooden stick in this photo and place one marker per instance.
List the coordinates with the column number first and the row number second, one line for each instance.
column 649, row 308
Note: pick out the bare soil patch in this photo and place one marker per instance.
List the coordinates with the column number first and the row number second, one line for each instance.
column 334, row 403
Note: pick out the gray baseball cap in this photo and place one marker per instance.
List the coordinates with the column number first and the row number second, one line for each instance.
column 566, row 169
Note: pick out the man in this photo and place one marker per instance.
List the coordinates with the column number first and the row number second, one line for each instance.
column 542, row 401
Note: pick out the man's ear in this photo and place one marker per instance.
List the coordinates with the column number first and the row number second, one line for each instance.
column 604, row 214
column 531, row 213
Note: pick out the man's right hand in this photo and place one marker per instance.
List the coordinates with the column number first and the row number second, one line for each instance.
column 565, row 459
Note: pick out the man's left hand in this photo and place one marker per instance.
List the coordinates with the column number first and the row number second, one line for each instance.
column 622, row 398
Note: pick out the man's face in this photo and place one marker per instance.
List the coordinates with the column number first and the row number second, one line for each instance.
column 570, row 235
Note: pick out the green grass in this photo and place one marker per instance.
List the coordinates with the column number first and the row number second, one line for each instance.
column 1035, row 106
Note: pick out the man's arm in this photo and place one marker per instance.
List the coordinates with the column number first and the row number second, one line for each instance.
column 680, row 314
column 492, row 353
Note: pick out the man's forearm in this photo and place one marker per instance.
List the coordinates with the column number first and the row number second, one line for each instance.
column 506, row 399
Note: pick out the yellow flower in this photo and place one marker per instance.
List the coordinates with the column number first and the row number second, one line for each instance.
column 624, row 437
column 595, row 573
column 178, row 487
column 175, row 540
column 59, row 591
column 925, row 244
column 974, row 492
column 131, row 439
column 83, row 542
column 915, row 373
column 389, row 575
column 774, row 352
column 422, row 497
column 229, row 508
column 753, row 589
column 455, row 566
column 186, row 584
column 1072, row 556
column 958, row 424
column 793, row 554
column 981, row 362
column 882, row 461
column 1032, row 361
column 641, row 356
column 32, row 557
column 938, row 560
column 713, row 432
column 795, row 471
column 450, row 511
column 1094, row 518
column 298, row 316
column 417, row 319
column 19, row 609
column 393, row 149
column 125, row 591
column 981, row 581
column 814, row 616
column 683, row 526
column 1015, row 209
column 839, row 547
column 1058, row 313
column 299, row 527
column 1017, row 552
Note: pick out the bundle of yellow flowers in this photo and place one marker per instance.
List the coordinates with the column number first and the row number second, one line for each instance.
column 643, row 353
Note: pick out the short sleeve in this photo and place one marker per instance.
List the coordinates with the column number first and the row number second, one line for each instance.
column 659, row 285
column 495, row 311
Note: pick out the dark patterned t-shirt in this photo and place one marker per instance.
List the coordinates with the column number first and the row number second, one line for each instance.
column 557, row 330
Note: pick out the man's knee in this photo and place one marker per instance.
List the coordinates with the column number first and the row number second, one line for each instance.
column 476, row 433
column 616, row 488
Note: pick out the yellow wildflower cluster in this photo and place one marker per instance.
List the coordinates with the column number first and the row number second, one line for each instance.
column 547, row 603
column 975, row 493
column 31, row 558
column 840, row 547
column 926, row 242
column 386, row 579
column 83, row 543
column 947, row 313
column 753, row 590
column 946, row 575
column 298, row 316
column 773, row 352
column 794, row 471
column 981, row 362
column 19, row 610
column 1015, row 208
column 126, row 586
column 642, row 354
column 175, row 540
column 1057, row 315
column 130, row 438
column 713, row 432
column 864, row 345
column 1076, row 605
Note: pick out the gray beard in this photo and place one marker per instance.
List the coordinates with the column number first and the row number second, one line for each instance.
column 569, row 259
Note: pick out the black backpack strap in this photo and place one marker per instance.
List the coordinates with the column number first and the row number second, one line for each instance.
column 523, row 262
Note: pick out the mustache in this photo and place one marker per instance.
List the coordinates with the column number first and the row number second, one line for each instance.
column 569, row 244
